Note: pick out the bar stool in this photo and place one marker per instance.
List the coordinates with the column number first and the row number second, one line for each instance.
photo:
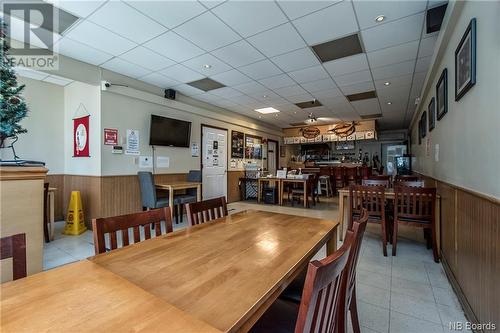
column 325, row 185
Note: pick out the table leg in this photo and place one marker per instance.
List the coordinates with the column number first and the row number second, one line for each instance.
column 331, row 245
column 171, row 201
column 341, row 216
column 305, row 194
column 198, row 192
column 51, row 215
column 280, row 196
column 258, row 190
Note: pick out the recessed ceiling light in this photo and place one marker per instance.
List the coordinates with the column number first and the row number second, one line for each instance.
column 386, row 83
column 379, row 18
column 260, row 117
column 265, row 96
column 207, row 66
column 389, row 103
column 267, row 110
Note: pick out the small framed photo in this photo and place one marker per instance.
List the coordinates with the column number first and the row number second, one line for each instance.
column 423, row 123
column 442, row 95
column 465, row 61
column 432, row 114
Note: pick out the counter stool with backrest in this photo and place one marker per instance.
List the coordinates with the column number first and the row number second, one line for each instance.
column 351, row 175
column 149, row 196
column 415, row 207
column 325, row 181
column 338, row 178
column 15, row 247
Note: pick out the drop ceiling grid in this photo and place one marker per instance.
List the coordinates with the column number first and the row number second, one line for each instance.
column 212, row 10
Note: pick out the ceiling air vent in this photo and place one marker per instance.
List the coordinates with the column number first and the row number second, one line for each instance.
column 206, row 84
column 371, row 116
column 338, row 48
column 362, row 96
column 309, row 104
column 435, row 18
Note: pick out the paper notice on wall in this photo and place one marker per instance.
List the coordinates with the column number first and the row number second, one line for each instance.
column 195, row 149
column 162, row 162
column 132, row 144
column 436, row 152
column 145, row 162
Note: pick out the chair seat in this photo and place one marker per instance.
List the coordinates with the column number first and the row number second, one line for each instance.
column 370, row 217
column 188, row 198
column 163, row 202
column 410, row 220
column 279, row 318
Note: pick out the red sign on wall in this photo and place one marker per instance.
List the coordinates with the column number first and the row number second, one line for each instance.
column 110, row 136
column 81, row 137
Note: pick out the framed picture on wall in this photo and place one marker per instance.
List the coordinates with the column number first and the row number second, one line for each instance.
column 442, row 95
column 432, row 114
column 465, row 61
column 423, row 123
column 253, row 147
column 237, row 144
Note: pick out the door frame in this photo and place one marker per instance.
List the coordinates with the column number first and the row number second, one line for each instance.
column 276, row 153
column 201, row 155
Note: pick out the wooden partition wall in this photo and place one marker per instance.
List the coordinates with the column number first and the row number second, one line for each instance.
column 470, row 248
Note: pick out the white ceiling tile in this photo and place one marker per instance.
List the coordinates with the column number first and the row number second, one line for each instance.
column 278, row 40
column 394, row 93
column 118, row 17
column 61, row 81
column 352, row 78
column 169, row 13
column 231, row 78
column 367, row 11
column 250, row 17
column 238, row 54
column 174, row 47
column 290, row 91
column 224, row 103
column 347, row 65
column 329, row 93
column 309, row 74
column 159, row 80
column 146, row 58
column 82, row 52
column 260, row 70
column 393, row 70
column 188, row 90
column 394, row 54
column 244, row 100
column 277, row 102
column 295, row 60
column 295, row 9
column 395, row 106
column 30, row 73
column 403, row 80
column 216, row 66
column 427, row 47
column 207, row 32
column 278, row 81
column 100, row 38
column 264, row 96
column 319, row 85
column 17, row 30
column 336, row 102
column 226, row 92
column 126, row 68
column 357, row 88
column 181, row 73
column 423, row 64
column 393, row 33
column 81, row 8
column 250, row 87
column 300, row 98
column 367, row 106
column 327, row 24
column 211, row 3
column 206, row 97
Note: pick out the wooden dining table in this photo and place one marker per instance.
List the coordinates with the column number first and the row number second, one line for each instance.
column 218, row 276
column 389, row 195
column 303, row 181
column 171, row 187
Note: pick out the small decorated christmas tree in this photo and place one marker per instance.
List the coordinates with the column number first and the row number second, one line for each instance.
column 13, row 107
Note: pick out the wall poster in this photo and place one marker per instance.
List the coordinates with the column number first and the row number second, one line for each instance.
column 253, row 147
column 81, row 137
column 110, row 136
column 237, row 144
column 132, row 147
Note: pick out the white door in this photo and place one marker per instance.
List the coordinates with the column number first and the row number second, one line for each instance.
column 271, row 157
column 214, row 162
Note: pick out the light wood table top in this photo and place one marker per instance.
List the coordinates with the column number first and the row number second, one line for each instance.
column 177, row 185
column 226, row 272
column 84, row 297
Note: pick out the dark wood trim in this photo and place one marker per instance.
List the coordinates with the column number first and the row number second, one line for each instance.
column 201, row 154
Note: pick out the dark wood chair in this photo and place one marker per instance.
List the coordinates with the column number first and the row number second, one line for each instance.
column 351, row 175
column 321, row 298
column 416, row 183
column 406, row 178
column 375, row 182
column 365, row 172
column 46, row 218
column 415, row 207
column 207, row 210
column 15, row 247
column 121, row 224
column 338, row 178
column 371, row 199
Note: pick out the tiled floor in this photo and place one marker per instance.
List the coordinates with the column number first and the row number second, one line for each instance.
column 408, row 293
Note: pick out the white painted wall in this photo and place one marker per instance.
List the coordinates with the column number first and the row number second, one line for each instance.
column 468, row 135
column 77, row 93
column 44, row 139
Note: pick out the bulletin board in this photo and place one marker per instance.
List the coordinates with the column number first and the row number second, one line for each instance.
column 253, row 147
column 237, row 144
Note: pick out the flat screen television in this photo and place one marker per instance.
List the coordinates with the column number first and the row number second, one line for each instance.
column 169, row 132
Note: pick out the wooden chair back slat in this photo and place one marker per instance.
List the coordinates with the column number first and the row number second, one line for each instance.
column 414, row 203
column 369, row 198
column 376, row 182
column 122, row 224
column 204, row 211
column 15, row 247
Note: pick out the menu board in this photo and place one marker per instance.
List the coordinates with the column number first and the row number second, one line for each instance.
column 253, row 147
column 237, row 144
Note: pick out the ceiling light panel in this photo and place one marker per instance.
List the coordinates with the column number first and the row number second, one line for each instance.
column 267, row 110
column 238, row 54
column 288, row 38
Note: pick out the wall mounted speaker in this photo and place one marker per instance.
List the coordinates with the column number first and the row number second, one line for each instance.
column 170, row 94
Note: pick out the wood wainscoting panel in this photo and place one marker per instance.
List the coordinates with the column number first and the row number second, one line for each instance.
column 57, row 181
column 90, row 191
column 448, row 223
column 233, row 185
column 478, row 254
